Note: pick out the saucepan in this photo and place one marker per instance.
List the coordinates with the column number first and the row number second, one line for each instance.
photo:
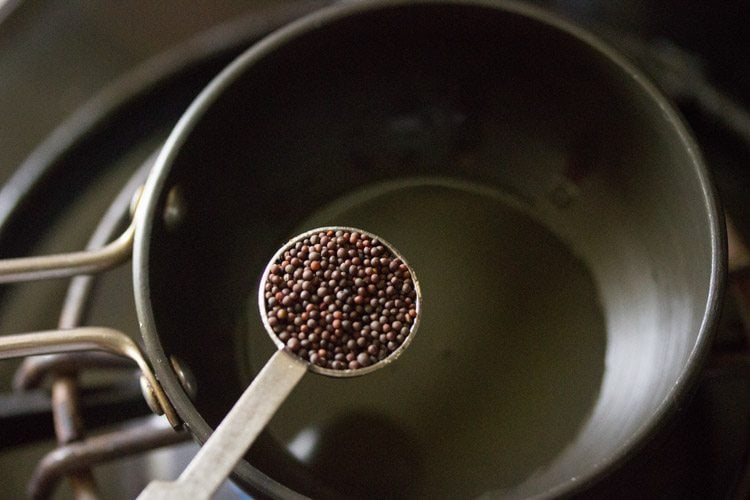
column 568, row 241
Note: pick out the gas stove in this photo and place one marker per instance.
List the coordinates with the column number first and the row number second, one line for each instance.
column 89, row 94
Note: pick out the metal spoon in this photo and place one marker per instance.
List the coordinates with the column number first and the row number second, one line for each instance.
column 254, row 409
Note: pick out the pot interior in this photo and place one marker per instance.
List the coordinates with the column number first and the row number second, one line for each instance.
column 550, row 204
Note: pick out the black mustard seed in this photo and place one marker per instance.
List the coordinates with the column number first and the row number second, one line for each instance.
column 325, row 299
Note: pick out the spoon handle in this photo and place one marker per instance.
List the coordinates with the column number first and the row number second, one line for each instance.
column 234, row 435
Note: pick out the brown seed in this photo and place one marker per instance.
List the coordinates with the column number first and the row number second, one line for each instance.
column 363, row 359
column 340, row 300
column 293, row 344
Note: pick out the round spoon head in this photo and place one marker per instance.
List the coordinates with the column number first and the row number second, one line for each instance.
column 340, row 299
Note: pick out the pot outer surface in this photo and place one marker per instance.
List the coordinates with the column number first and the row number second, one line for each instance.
column 550, row 202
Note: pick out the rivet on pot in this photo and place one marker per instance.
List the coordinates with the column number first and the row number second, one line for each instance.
column 564, row 193
column 174, row 209
column 185, row 376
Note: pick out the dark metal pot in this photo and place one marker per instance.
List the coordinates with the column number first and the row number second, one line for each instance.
column 568, row 241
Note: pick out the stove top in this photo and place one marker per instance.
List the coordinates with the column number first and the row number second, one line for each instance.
column 89, row 93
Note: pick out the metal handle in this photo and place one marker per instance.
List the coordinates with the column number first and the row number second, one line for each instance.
column 85, row 339
column 234, row 435
column 68, row 264
column 65, row 265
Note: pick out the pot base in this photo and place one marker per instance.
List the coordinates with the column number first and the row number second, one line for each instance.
column 506, row 373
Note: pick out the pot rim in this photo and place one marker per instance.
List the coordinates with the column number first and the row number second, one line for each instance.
column 156, row 183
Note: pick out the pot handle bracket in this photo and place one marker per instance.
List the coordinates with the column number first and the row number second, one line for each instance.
column 23, row 269
column 84, row 339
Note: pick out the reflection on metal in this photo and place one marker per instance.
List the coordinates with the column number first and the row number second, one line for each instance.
column 65, row 265
column 85, row 339
column 6, row 8
column 174, row 209
column 34, row 370
column 68, row 264
column 738, row 255
column 149, row 395
column 739, row 273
